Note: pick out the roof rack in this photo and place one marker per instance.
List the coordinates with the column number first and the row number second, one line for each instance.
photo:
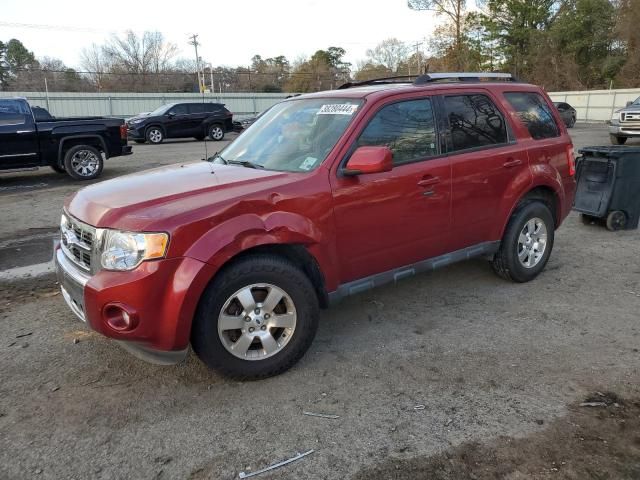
column 377, row 81
column 433, row 78
column 463, row 77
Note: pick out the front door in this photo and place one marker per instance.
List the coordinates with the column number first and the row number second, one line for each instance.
column 18, row 136
column 177, row 123
column 391, row 219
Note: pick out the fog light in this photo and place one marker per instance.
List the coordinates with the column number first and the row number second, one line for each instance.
column 119, row 318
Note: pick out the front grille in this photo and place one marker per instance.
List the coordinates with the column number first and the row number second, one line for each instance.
column 630, row 117
column 77, row 240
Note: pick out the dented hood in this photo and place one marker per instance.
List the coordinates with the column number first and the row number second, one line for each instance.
column 159, row 199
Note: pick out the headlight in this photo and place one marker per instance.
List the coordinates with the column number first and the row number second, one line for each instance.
column 125, row 250
column 138, row 120
column 615, row 117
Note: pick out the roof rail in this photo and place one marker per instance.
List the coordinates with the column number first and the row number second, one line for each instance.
column 378, row 81
column 463, row 77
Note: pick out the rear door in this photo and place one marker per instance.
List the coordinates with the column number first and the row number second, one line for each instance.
column 197, row 115
column 18, row 135
column 177, row 122
column 485, row 161
column 391, row 219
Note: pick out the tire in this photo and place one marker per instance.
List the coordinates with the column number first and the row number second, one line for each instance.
column 616, row 220
column 154, row 135
column 83, row 162
column 216, row 132
column 507, row 262
column 571, row 122
column 56, row 167
column 615, row 140
column 140, row 141
column 213, row 343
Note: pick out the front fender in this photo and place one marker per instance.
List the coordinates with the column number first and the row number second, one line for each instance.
column 231, row 237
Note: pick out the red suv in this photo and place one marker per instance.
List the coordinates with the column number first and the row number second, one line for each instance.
column 325, row 195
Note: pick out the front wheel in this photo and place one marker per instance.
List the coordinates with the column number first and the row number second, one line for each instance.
column 527, row 242
column 155, row 135
column 615, row 140
column 256, row 319
column 83, row 162
column 216, row 133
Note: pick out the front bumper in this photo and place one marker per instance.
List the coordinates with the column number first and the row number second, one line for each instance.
column 625, row 130
column 135, row 133
column 162, row 294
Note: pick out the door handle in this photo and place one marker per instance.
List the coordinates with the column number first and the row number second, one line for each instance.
column 428, row 181
column 25, row 131
column 512, row 163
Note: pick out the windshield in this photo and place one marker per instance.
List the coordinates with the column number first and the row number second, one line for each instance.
column 159, row 111
column 292, row 136
column 636, row 101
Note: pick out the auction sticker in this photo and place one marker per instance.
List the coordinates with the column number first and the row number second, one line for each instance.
column 338, row 109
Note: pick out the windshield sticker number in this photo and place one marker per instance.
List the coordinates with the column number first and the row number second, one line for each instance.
column 338, row 109
column 308, row 163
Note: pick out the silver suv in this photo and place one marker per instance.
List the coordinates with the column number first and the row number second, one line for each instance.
column 625, row 123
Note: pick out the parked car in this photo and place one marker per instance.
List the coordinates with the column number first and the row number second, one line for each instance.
column 181, row 120
column 76, row 146
column 326, row 195
column 625, row 123
column 567, row 113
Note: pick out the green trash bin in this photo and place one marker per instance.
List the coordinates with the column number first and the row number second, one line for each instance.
column 608, row 185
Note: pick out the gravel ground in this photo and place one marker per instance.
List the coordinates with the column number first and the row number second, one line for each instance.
column 422, row 375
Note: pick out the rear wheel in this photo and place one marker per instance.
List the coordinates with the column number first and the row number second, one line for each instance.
column 256, row 319
column 616, row 220
column 83, row 162
column 527, row 242
column 155, row 135
column 216, row 132
column 615, row 140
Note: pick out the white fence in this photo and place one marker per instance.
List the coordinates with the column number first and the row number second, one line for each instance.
column 596, row 105
column 128, row 104
column 591, row 105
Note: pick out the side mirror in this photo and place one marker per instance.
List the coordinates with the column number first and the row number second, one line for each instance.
column 629, row 104
column 369, row 160
column 171, row 115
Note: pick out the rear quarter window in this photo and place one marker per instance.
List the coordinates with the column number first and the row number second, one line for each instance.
column 534, row 112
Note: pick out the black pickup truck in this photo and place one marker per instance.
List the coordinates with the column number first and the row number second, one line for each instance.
column 77, row 146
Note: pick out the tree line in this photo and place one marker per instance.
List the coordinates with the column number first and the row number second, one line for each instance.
column 559, row 44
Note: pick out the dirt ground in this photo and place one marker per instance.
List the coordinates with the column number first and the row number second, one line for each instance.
column 452, row 375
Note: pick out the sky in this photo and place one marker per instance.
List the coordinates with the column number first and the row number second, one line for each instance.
column 230, row 31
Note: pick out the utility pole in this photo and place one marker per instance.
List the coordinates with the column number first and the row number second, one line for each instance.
column 194, row 42
column 417, row 44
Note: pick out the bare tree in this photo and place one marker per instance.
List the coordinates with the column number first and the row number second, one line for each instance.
column 455, row 10
column 93, row 60
column 389, row 53
column 139, row 56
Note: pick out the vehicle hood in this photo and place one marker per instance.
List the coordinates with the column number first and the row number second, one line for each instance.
column 143, row 115
column 163, row 197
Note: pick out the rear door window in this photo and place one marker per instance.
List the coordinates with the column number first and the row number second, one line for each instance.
column 196, row 108
column 407, row 128
column 534, row 112
column 474, row 122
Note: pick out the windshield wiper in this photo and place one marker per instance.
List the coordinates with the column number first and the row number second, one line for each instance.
column 245, row 163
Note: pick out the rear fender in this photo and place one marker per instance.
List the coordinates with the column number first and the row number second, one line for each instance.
column 543, row 176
